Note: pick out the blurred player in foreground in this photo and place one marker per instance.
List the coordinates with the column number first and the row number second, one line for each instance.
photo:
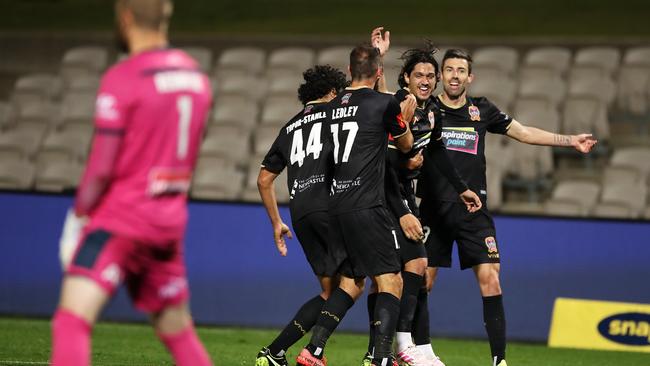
column 302, row 147
column 130, row 211
column 465, row 122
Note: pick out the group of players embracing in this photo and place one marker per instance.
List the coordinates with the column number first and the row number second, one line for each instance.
column 353, row 155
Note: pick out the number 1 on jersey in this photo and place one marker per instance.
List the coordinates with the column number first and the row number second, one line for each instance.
column 314, row 145
column 184, row 107
column 353, row 127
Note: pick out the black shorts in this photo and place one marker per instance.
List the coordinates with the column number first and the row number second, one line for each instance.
column 312, row 231
column 409, row 249
column 369, row 240
column 474, row 233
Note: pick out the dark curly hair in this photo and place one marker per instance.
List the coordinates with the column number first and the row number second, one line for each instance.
column 415, row 56
column 319, row 81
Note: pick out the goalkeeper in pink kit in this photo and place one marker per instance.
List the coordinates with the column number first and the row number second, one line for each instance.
column 130, row 211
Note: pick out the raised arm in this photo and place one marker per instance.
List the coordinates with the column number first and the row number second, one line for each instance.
column 536, row 136
column 381, row 40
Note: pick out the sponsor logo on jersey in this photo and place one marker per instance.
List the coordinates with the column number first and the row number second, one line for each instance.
column 632, row 329
column 111, row 274
column 463, row 139
column 474, row 113
column 346, row 98
column 106, row 107
column 173, row 288
column 491, row 245
column 302, row 185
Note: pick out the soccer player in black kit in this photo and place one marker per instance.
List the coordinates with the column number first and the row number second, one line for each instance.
column 465, row 121
column 418, row 77
column 361, row 120
column 302, row 149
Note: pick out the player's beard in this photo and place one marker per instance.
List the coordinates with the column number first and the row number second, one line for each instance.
column 454, row 95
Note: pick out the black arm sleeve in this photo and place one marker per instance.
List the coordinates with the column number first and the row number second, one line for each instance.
column 436, row 154
column 392, row 192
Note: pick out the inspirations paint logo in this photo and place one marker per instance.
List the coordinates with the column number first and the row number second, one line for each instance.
column 463, row 139
column 632, row 329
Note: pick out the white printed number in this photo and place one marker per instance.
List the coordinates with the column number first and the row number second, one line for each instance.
column 184, row 107
column 353, row 127
column 314, row 145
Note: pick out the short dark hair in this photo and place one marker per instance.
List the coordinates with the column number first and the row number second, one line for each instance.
column 364, row 61
column 319, row 81
column 149, row 14
column 458, row 53
column 415, row 56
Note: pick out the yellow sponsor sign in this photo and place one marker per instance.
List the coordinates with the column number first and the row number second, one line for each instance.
column 600, row 325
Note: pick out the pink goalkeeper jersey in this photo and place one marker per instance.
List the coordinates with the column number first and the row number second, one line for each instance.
column 150, row 114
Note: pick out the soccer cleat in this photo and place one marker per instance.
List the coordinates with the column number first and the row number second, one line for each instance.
column 411, row 356
column 392, row 361
column 367, row 360
column 436, row 362
column 305, row 358
column 502, row 363
column 264, row 358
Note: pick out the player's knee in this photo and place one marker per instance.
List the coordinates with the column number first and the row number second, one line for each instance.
column 172, row 319
column 490, row 284
column 417, row 266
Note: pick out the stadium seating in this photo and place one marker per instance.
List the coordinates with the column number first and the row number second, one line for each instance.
column 338, row 56
column 583, row 193
column 290, row 61
column 504, row 60
column 238, row 61
column 47, row 119
column 606, row 59
column 556, row 59
column 202, row 55
column 16, row 174
column 58, row 176
column 278, row 110
column 234, row 110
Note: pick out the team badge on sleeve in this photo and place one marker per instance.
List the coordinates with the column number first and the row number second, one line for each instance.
column 432, row 119
column 474, row 113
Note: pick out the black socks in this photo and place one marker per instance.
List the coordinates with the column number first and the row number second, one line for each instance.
column 301, row 323
column 495, row 325
column 330, row 316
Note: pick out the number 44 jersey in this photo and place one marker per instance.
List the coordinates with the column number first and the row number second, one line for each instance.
column 359, row 123
column 302, row 147
column 149, row 119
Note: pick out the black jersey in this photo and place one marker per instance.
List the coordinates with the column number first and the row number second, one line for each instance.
column 303, row 147
column 463, row 133
column 360, row 122
column 423, row 128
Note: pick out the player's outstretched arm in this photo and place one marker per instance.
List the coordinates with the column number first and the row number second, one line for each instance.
column 536, row 136
column 265, row 185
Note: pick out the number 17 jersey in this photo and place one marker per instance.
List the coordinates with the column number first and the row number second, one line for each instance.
column 360, row 122
column 302, row 148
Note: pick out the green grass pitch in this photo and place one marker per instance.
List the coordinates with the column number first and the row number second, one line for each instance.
column 27, row 342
